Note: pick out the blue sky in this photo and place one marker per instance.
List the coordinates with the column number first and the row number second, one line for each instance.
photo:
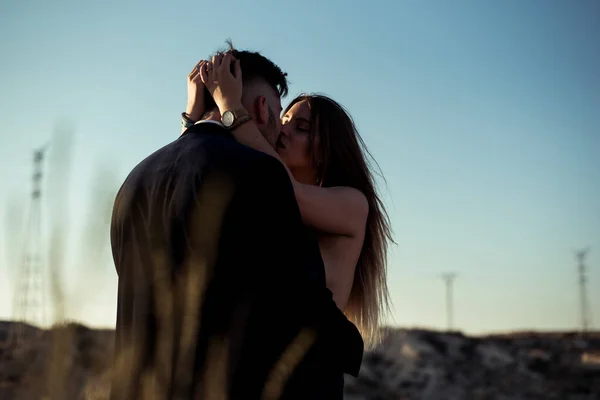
column 484, row 118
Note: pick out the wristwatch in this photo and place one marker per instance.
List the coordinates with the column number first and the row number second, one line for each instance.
column 232, row 119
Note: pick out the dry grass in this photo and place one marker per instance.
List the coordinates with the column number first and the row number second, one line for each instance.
column 68, row 361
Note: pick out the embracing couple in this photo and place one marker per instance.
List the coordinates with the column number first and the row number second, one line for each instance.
column 251, row 250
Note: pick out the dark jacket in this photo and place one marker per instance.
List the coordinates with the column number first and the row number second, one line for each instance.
column 221, row 287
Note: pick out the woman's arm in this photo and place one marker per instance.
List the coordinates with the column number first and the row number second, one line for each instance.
column 334, row 210
column 195, row 89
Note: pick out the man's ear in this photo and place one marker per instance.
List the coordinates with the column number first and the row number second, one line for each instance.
column 262, row 110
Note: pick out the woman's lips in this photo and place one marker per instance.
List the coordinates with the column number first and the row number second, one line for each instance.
column 279, row 143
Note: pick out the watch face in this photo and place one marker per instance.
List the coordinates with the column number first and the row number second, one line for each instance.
column 228, row 118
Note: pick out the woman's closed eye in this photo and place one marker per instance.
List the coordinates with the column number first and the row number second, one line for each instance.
column 299, row 124
column 302, row 125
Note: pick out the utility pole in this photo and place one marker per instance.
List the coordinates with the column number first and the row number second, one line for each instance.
column 449, row 280
column 583, row 299
column 30, row 290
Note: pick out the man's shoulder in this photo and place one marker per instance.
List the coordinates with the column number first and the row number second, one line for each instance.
column 206, row 148
column 216, row 142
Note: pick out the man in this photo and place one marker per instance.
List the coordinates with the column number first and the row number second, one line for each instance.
column 221, row 289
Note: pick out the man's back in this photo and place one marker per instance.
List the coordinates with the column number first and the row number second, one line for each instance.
column 212, row 259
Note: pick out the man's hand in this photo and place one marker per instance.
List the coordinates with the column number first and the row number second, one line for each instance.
column 225, row 87
column 195, row 87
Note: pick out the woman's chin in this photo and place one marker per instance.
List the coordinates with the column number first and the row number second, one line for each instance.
column 281, row 154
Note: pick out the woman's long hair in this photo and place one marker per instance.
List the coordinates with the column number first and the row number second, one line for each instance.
column 342, row 162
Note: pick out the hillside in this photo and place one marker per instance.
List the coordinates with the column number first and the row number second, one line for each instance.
column 426, row 365
column 73, row 362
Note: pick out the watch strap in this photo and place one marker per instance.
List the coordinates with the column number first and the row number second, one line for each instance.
column 240, row 121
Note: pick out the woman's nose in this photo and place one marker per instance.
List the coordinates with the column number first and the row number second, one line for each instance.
column 285, row 130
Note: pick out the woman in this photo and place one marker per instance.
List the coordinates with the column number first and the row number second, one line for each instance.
column 323, row 154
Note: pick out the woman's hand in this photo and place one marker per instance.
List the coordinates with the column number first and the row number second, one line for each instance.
column 224, row 86
column 195, row 88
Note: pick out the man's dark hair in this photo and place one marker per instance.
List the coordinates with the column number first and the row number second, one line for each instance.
column 254, row 67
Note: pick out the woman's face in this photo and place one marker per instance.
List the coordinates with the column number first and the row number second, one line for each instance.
column 293, row 145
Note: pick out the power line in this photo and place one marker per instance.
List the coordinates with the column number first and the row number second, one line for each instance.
column 449, row 280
